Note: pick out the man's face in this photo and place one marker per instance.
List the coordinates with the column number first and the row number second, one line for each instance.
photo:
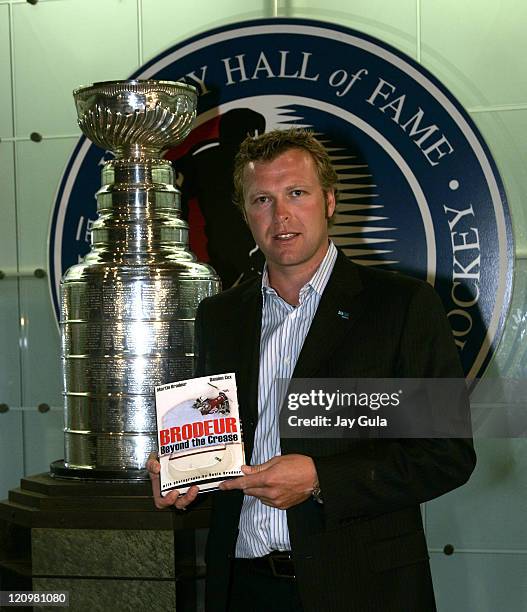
column 287, row 210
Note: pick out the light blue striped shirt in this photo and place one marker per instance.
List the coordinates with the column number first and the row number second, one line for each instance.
column 263, row 529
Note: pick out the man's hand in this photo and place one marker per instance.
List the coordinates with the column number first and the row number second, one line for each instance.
column 173, row 498
column 281, row 482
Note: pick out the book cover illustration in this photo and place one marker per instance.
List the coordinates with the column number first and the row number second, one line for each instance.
column 199, row 432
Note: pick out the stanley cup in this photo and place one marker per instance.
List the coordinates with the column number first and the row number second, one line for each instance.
column 127, row 310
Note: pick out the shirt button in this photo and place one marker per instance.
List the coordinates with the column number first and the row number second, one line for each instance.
column 287, row 360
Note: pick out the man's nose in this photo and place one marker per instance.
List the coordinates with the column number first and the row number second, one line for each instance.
column 281, row 208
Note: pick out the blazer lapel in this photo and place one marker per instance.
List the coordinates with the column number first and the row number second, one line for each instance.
column 339, row 307
column 248, row 361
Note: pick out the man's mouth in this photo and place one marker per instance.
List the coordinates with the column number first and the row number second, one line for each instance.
column 285, row 235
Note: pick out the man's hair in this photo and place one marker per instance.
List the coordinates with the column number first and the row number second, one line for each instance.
column 270, row 145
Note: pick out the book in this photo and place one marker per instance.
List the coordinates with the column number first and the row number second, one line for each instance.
column 199, row 432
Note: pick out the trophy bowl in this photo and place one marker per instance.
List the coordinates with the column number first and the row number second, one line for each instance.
column 136, row 119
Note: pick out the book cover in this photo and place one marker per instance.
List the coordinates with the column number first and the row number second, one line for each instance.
column 199, row 432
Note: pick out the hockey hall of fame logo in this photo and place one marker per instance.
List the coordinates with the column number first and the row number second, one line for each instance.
column 418, row 190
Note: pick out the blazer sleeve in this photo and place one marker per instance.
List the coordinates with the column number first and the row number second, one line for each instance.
column 383, row 475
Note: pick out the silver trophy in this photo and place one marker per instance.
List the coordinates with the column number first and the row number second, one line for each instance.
column 127, row 310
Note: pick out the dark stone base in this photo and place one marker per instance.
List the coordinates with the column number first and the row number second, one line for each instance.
column 104, row 542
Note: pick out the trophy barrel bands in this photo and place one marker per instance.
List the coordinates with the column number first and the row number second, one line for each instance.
column 134, row 375
column 106, row 295
column 99, row 338
column 108, row 452
column 119, row 340
column 110, row 413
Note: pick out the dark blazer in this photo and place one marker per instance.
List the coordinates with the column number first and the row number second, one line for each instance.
column 364, row 549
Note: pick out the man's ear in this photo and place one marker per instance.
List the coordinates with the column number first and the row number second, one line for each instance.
column 330, row 203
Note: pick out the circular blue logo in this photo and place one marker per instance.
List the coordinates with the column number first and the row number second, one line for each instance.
column 418, row 189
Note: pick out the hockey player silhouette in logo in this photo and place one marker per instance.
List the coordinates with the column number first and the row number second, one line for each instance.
column 218, row 233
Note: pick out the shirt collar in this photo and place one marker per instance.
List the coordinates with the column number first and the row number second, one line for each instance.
column 318, row 281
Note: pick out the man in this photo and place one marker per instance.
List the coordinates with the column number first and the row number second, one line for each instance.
column 314, row 523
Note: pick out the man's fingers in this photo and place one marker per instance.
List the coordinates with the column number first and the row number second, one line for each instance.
column 152, row 465
column 252, row 469
column 260, row 467
column 234, row 483
column 254, row 475
column 172, row 498
column 243, row 482
column 267, row 497
column 251, row 473
column 183, row 501
column 238, row 483
column 166, row 501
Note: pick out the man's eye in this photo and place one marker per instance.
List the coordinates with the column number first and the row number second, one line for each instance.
column 261, row 200
column 296, row 193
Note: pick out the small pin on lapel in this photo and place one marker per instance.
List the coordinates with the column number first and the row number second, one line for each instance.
column 343, row 314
